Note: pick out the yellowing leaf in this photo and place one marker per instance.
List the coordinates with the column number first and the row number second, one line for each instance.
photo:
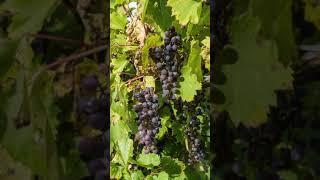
column 149, row 81
column 186, row 10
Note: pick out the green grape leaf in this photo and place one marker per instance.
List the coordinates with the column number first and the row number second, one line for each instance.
column 7, row 53
column 201, row 29
column 29, row 16
column 8, row 165
column 115, row 171
column 189, row 85
column 194, row 60
column 119, row 101
column 119, row 64
column 117, row 21
column 137, row 175
column 161, row 176
column 252, row 80
column 158, row 14
column 190, row 173
column 277, row 25
column 118, row 131
column 125, row 149
column 312, row 13
column 148, row 160
column 32, row 103
column 172, row 166
column 205, row 52
column 186, row 11
column 43, row 103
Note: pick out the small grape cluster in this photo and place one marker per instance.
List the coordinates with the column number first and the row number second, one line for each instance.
column 95, row 109
column 94, row 150
column 167, row 63
column 148, row 119
column 196, row 153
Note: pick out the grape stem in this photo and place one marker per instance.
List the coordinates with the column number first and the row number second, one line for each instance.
column 134, row 79
column 56, row 38
column 68, row 59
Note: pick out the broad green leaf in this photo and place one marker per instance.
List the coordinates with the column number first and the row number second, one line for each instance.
column 202, row 29
column 161, row 176
column 119, row 64
column 194, row 60
column 186, row 11
column 29, row 16
column 7, row 55
column 205, row 52
column 115, row 171
column 277, row 25
column 137, row 175
column 43, row 103
column 148, row 160
column 118, row 131
column 192, row 173
column 117, row 21
column 172, row 166
column 8, row 165
column 189, row 85
column 125, row 148
column 252, row 80
column 158, row 14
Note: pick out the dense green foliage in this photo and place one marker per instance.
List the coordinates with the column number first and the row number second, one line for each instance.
column 134, row 32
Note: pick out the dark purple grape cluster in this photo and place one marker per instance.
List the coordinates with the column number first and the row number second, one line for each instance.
column 167, row 63
column 94, row 150
column 148, row 119
column 196, row 153
column 93, row 108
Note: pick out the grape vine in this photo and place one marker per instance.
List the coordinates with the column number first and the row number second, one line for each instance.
column 159, row 64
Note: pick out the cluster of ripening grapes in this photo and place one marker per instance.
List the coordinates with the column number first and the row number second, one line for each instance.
column 94, row 150
column 196, row 153
column 148, row 121
column 167, row 63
